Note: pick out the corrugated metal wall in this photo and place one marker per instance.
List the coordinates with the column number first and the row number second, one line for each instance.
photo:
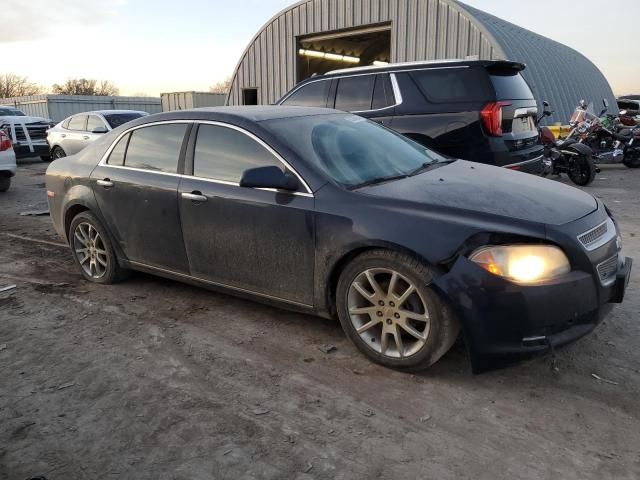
column 59, row 107
column 555, row 72
column 184, row 100
column 420, row 30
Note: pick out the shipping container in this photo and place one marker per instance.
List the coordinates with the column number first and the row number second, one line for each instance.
column 59, row 107
column 186, row 100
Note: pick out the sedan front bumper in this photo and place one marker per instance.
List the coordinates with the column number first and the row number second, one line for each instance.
column 504, row 322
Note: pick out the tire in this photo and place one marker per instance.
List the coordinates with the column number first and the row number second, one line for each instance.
column 583, row 171
column 632, row 162
column 5, row 183
column 100, row 257
column 45, row 158
column 57, row 152
column 434, row 326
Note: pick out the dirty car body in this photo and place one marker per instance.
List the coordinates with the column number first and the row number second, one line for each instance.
column 289, row 247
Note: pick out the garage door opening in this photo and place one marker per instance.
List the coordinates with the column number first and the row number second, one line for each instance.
column 320, row 54
column 250, row 96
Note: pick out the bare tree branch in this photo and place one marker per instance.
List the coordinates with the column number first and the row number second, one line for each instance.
column 85, row 86
column 221, row 87
column 12, row 85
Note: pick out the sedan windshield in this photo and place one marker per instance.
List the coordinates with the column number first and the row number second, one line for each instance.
column 117, row 119
column 353, row 151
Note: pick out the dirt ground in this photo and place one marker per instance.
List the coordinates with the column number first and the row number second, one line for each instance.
column 153, row 379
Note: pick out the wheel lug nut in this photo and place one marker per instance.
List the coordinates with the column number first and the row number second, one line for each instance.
column 391, row 304
column 389, row 321
column 379, row 314
column 397, row 315
column 381, row 303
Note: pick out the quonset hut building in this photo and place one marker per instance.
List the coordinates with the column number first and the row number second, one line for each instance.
column 317, row 36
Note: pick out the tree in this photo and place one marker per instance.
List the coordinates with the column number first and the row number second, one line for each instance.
column 221, row 87
column 12, row 85
column 85, row 86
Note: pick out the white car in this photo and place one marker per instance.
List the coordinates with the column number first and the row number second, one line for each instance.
column 28, row 134
column 7, row 161
column 77, row 131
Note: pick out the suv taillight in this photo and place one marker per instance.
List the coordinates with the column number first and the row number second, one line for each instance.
column 491, row 116
column 5, row 143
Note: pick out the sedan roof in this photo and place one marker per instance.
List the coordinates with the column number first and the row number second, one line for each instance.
column 242, row 113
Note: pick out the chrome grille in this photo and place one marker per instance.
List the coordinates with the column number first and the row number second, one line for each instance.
column 607, row 270
column 36, row 132
column 598, row 236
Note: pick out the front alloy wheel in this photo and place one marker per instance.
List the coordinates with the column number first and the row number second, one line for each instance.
column 388, row 309
column 388, row 312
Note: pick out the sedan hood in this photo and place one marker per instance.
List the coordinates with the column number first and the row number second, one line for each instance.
column 26, row 120
column 492, row 190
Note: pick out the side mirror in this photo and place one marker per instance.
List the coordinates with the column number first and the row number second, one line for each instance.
column 268, row 177
column 101, row 129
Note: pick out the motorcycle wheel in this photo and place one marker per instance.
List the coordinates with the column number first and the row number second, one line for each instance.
column 633, row 162
column 583, row 171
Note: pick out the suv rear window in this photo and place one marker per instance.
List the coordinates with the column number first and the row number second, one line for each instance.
column 313, row 94
column 453, row 85
column 511, row 87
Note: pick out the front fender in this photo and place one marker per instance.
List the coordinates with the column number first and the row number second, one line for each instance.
column 579, row 148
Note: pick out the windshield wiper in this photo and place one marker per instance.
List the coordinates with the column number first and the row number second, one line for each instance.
column 377, row 180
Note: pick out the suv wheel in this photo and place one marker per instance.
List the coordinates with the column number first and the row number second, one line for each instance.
column 92, row 250
column 388, row 310
column 5, row 183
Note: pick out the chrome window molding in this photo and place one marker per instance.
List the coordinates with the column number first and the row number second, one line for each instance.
column 394, row 86
column 222, row 285
column 105, row 157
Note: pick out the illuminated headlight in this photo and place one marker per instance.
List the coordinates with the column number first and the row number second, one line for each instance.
column 523, row 263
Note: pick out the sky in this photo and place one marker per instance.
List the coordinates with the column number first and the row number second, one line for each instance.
column 154, row 46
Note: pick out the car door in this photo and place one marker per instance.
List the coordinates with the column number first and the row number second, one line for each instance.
column 254, row 240
column 73, row 139
column 136, row 188
column 369, row 96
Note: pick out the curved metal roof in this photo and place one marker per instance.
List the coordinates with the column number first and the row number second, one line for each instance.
column 420, row 30
column 556, row 73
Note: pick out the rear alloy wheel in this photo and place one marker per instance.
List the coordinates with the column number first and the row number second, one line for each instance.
column 5, row 183
column 92, row 249
column 388, row 310
column 57, row 152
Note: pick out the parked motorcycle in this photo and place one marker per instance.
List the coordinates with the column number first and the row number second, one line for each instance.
column 573, row 158
column 609, row 139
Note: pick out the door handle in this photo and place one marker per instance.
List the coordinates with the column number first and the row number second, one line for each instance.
column 64, row 135
column 194, row 196
column 106, row 183
column 86, row 137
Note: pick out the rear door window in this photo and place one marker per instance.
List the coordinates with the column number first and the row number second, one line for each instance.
column 79, row 122
column 453, row 85
column 156, row 148
column 224, row 154
column 355, row 94
column 382, row 92
column 511, row 87
column 116, row 157
column 311, row 95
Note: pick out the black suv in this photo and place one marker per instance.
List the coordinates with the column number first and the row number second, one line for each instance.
column 476, row 110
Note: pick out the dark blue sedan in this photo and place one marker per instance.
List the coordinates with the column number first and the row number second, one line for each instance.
column 331, row 214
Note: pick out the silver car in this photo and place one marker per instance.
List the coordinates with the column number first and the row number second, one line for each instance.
column 77, row 131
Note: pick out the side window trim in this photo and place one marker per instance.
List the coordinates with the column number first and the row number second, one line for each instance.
column 104, row 160
column 276, row 155
column 300, row 87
